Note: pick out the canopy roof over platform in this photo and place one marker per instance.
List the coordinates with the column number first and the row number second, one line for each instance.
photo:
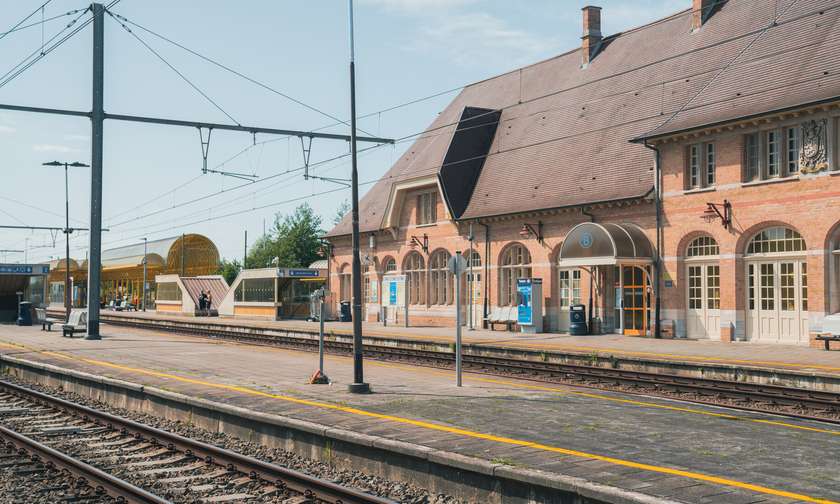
column 593, row 244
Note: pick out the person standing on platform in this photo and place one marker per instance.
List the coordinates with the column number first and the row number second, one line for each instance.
column 201, row 301
column 209, row 302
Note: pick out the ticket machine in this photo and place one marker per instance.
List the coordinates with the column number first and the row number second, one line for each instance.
column 530, row 309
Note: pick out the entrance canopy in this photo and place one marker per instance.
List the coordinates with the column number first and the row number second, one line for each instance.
column 592, row 244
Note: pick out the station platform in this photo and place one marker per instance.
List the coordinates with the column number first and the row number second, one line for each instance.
column 612, row 447
column 795, row 366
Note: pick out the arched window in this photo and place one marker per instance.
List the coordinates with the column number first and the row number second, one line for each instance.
column 390, row 265
column 515, row 264
column 702, row 246
column 415, row 274
column 440, row 292
column 776, row 239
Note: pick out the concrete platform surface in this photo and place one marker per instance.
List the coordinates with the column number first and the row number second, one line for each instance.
column 739, row 354
column 666, row 449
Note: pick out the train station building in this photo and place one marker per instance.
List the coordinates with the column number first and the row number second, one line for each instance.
column 660, row 162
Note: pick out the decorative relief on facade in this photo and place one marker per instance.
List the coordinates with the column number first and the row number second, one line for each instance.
column 813, row 156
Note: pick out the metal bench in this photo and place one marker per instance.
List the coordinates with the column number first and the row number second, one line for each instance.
column 827, row 338
column 76, row 323
column 45, row 321
column 502, row 315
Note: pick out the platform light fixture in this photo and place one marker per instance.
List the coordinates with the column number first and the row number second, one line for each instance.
column 529, row 231
column 722, row 211
column 67, row 230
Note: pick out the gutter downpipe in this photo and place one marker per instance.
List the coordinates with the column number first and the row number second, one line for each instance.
column 486, row 282
column 589, row 214
column 657, row 265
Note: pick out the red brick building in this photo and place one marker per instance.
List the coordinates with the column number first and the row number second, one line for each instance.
column 728, row 111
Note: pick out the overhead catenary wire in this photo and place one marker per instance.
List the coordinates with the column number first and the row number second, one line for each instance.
column 16, row 26
column 178, row 72
column 427, row 133
column 39, row 53
column 41, row 23
column 232, row 71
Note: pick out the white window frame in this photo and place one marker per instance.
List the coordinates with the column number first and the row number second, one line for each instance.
column 701, row 170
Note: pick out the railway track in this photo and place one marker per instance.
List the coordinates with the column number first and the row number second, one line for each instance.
column 87, row 455
column 793, row 402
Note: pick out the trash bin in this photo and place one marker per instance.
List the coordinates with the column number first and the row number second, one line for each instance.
column 24, row 314
column 346, row 315
column 577, row 320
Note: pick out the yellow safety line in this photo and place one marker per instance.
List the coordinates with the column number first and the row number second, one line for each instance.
column 459, row 431
column 591, row 395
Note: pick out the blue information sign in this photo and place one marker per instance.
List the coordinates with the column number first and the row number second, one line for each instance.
column 23, row 269
column 392, row 293
column 525, row 311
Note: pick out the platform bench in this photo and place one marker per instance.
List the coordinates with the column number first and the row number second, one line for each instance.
column 76, row 323
column 45, row 321
column 827, row 338
column 502, row 315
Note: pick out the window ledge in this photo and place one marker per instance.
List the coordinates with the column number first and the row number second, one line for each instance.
column 834, row 173
column 770, row 181
column 700, row 190
column 431, row 224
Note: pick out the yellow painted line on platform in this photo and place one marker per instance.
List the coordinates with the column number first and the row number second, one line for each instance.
column 591, row 395
column 459, row 431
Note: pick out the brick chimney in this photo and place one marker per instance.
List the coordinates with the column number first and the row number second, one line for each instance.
column 591, row 33
column 700, row 12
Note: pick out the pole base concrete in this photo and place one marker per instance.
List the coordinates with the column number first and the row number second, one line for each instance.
column 359, row 388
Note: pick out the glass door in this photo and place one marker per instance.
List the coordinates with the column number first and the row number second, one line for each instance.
column 634, row 300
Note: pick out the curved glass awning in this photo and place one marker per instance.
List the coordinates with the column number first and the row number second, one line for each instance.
column 593, row 244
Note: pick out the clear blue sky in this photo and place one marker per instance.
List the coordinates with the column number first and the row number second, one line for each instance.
column 405, row 49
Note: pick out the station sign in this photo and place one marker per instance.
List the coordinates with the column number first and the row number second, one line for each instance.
column 24, row 269
column 299, row 273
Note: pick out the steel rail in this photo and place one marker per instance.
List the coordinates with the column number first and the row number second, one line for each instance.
column 124, row 491
column 532, row 369
column 309, row 486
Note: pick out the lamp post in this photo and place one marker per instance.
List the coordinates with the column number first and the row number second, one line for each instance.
column 67, row 230
column 145, row 260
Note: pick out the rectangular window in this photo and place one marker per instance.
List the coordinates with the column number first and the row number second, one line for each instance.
column 768, row 286
column 713, row 287
column 786, row 285
column 751, row 157
column 792, row 136
column 804, row 268
column 751, row 285
column 426, row 208
column 694, row 166
column 772, row 154
column 710, row 164
column 695, row 288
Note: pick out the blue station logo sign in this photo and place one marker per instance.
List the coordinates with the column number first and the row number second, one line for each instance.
column 585, row 239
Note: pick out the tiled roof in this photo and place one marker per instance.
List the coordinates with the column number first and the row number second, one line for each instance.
column 563, row 138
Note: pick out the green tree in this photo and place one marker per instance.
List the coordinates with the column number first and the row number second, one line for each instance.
column 229, row 270
column 343, row 209
column 292, row 243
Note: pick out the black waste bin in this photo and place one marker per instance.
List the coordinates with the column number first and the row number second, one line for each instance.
column 24, row 314
column 346, row 314
column 577, row 320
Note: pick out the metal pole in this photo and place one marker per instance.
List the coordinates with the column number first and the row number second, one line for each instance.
column 321, row 333
column 145, row 256
column 471, row 278
column 183, row 247
column 97, row 118
column 68, row 292
column 458, row 318
column 245, row 257
column 358, row 386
